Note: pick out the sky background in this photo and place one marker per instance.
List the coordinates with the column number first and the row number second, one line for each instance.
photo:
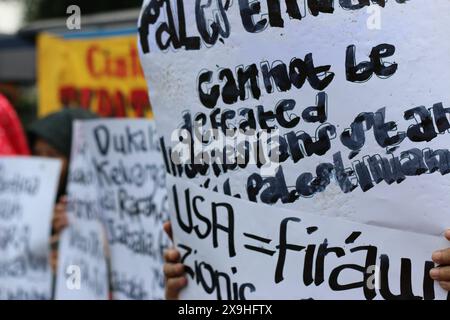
column 11, row 15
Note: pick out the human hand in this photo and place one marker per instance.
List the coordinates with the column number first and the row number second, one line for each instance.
column 173, row 270
column 442, row 272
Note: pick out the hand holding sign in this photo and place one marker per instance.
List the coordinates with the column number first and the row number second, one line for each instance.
column 232, row 249
column 173, row 269
column 176, row 278
column 442, row 273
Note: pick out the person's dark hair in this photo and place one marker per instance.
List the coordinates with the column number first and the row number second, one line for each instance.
column 56, row 128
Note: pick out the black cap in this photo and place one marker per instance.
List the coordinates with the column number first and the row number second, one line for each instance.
column 56, row 128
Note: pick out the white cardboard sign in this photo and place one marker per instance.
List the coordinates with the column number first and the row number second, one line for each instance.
column 235, row 249
column 357, row 89
column 82, row 267
column 27, row 197
column 131, row 196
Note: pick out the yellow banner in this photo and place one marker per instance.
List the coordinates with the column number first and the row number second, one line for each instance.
column 101, row 74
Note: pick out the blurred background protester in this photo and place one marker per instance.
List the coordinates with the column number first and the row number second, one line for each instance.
column 12, row 137
column 51, row 137
column 22, row 24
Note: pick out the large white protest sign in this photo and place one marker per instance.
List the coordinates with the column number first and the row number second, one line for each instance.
column 82, row 268
column 356, row 90
column 27, row 197
column 129, row 174
column 235, row 249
